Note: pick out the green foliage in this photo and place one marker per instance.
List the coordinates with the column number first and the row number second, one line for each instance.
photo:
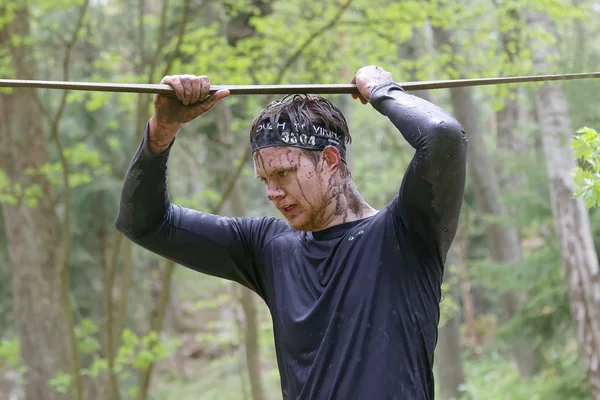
column 9, row 353
column 561, row 9
column 448, row 306
column 61, row 382
column 85, row 164
column 86, row 339
column 138, row 352
column 495, row 377
column 14, row 193
column 134, row 354
column 10, row 359
column 586, row 146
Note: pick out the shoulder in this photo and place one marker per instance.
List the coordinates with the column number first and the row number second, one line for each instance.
column 284, row 236
column 261, row 230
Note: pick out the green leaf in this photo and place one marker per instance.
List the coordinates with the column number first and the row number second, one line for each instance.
column 132, row 391
column 61, row 382
column 10, row 353
column 113, row 143
column 99, row 366
column 586, row 146
column 144, row 358
column 97, row 100
column 88, row 345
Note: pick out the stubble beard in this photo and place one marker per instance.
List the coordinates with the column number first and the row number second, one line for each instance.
column 337, row 199
column 328, row 206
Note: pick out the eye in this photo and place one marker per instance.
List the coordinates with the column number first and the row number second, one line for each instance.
column 283, row 173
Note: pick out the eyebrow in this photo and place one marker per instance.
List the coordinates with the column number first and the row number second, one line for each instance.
column 291, row 168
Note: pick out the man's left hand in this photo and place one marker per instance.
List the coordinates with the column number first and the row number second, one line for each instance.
column 367, row 78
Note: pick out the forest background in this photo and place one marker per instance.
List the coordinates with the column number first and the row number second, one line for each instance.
column 85, row 314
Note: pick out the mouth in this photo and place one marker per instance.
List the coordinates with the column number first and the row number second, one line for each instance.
column 288, row 210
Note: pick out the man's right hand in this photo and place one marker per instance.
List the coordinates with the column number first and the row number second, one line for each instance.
column 170, row 112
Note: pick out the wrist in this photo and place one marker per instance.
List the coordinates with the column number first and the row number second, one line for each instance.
column 162, row 127
column 161, row 134
column 369, row 86
column 377, row 82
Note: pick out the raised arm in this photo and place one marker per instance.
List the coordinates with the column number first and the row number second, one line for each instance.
column 431, row 193
column 224, row 247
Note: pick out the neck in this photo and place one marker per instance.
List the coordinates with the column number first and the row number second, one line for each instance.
column 344, row 204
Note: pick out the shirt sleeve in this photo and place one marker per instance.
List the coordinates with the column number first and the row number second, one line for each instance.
column 431, row 194
column 224, row 247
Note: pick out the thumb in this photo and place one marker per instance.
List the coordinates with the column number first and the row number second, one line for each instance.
column 219, row 95
column 209, row 103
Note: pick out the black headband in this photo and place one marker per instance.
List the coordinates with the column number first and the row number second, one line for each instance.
column 312, row 137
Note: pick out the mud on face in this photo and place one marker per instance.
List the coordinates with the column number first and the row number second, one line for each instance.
column 296, row 178
column 304, row 179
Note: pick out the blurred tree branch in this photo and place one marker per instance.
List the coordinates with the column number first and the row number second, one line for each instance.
column 66, row 231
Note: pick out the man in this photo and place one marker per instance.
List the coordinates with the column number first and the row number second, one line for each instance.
column 354, row 292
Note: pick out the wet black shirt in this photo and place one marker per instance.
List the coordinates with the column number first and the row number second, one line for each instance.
column 355, row 307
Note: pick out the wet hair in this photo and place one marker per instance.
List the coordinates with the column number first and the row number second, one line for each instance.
column 305, row 110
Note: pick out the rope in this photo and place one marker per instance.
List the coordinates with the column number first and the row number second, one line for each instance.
column 285, row 89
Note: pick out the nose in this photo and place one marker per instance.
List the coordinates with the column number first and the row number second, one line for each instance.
column 273, row 192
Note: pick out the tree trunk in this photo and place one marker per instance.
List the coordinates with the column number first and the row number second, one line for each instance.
column 246, row 298
column 511, row 146
column 252, row 323
column 252, row 343
column 503, row 241
column 32, row 230
column 413, row 49
column 468, row 302
column 509, row 117
column 571, row 218
column 449, row 367
column 510, row 143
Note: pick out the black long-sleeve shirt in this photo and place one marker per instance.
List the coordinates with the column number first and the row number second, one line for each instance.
column 355, row 307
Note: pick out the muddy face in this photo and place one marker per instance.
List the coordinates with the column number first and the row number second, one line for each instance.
column 304, row 190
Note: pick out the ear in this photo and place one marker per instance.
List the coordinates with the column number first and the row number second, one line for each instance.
column 331, row 159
